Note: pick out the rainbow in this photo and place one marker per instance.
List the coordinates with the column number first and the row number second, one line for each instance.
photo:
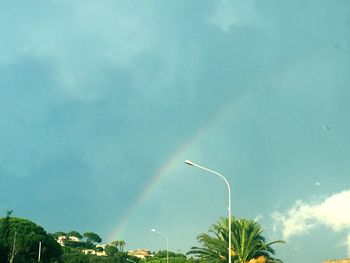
column 176, row 159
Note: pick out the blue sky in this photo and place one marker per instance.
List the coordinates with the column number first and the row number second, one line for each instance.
column 102, row 101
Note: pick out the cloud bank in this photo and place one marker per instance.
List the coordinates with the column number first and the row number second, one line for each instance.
column 331, row 212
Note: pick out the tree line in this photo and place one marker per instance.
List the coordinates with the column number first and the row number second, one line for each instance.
column 23, row 241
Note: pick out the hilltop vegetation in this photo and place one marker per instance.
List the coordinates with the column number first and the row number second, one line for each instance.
column 22, row 241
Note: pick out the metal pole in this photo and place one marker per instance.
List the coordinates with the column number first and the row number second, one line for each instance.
column 229, row 201
column 13, row 247
column 167, row 243
column 39, row 254
column 167, row 248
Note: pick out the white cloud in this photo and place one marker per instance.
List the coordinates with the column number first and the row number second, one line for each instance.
column 298, row 220
column 235, row 13
column 332, row 212
column 302, row 217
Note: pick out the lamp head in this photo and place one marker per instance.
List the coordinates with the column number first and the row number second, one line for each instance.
column 153, row 230
column 189, row 162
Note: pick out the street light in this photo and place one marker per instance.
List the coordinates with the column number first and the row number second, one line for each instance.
column 132, row 261
column 229, row 201
column 167, row 242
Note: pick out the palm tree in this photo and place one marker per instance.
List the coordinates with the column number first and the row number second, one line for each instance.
column 248, row 244
column 213, row 249
column 121, row 245
column 115, row 243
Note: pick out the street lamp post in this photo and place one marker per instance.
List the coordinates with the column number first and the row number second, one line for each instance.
column 229, row 201
column 39, row 253
column 167, row 242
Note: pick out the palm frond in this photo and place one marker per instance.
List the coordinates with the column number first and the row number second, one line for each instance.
column 247, row 242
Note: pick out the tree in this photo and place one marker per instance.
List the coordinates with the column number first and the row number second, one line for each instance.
column 75, row 257
column 23, row 240
column 164, row 253
column 115, row 243
column 92, row 237
column 59, row 234
column 161, row 257
column 4, row 238
column 248, row 244
column 121, row 245
column 75, row 234
column 111, row 250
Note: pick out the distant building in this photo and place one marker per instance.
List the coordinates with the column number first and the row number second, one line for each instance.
column 101, row 253
column 60, row 240
column 94, row 252
column 103, row 246
column 75, row 239
column 337, row 261
column 139, row 253
column 102, row 250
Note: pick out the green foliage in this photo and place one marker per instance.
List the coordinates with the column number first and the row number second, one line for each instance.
column 75, row 257
column 75, row 234
column 160, row 257
column 59, row 234
column 180, row 255
column 178, row 260
column 111, row 250
column 171, row 260
column 163, row 254
column 22, row 242
column 92, row 237
column 121, row 257
column 74, row 254
column 4, row 237
column 247, row 242
column 121, row 245
column 76, row 244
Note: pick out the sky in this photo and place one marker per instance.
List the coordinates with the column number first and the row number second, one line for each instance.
column 102, row 101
